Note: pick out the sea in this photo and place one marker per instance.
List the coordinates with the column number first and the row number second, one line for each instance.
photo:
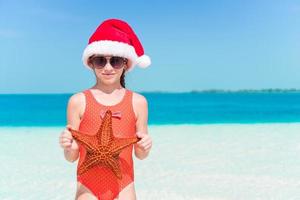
column 164, row 108
column 206, row 146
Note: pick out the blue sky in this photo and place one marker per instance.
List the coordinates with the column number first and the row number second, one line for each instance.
column 194, row 45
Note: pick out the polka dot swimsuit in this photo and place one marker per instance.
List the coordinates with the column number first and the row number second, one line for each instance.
column 100, row 180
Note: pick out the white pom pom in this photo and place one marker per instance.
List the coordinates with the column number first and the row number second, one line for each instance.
column 143, row 61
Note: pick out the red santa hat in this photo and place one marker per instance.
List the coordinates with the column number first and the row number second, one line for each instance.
column 115, row 37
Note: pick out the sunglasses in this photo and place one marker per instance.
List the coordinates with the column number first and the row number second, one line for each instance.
column 115, row 61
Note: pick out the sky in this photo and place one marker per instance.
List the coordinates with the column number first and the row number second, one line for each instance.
column 193, row 45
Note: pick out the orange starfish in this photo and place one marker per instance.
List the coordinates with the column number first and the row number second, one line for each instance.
column 102, row 148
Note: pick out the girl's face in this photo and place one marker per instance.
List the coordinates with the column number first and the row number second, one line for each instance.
column 108, row 69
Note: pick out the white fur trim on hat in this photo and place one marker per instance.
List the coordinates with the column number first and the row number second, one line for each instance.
column 108, row 47
column 143, row 61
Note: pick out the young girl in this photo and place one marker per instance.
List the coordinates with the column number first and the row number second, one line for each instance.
column 112, row 51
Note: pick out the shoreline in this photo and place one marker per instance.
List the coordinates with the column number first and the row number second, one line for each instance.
column 177, row 125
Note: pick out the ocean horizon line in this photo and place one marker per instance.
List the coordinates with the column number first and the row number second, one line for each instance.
column 262, row 123
column 263, row 90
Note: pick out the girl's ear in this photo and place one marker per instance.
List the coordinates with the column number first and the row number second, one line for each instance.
column 89, row 62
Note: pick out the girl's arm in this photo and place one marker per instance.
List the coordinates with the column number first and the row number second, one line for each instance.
column 71, row 152
column 142, row 148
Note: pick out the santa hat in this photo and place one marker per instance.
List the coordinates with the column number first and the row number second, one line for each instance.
column 115, row 37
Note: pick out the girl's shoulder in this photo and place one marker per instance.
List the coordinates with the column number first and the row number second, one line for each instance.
column 139, row 101
column 77, row 102
column 137, row 97
column 77, row 98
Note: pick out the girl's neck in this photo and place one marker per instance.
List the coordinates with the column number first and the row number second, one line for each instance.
column 107, row 88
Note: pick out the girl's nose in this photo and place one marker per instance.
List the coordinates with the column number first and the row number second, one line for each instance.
column 108, row 66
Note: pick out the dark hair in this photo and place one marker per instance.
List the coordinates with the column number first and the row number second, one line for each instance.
column 122, row 79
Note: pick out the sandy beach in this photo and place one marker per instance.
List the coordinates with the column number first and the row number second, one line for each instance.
column 219, row 162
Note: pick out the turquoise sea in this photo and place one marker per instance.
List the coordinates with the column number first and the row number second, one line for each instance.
column 164, row 108
column 206, row 146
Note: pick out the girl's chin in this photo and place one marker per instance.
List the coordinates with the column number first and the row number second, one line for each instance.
column 108, row 81
column 109, row 77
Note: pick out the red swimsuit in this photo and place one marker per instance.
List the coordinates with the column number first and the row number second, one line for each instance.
column 100, row 180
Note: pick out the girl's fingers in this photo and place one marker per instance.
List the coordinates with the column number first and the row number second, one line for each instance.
column 139, row 134
column 66, row 140
column 66, row 134
column 62, row 137
column 139, row 142
column 66, row 144
column 68, row 126
column 145, row 145
column 144, row 140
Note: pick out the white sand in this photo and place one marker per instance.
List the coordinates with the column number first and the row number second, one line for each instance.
column 226, row 161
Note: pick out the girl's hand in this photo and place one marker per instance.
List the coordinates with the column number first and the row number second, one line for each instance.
column 66, row 140
column 145, row 143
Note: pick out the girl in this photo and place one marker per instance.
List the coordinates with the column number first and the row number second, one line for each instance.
column 112, row 51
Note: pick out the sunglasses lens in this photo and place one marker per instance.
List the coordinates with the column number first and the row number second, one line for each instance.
column 99, row 61
column 116, row 62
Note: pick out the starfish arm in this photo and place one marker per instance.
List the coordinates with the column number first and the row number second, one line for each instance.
column 115, row 167
column 105, row 133
column 83, row 138
column 121, row 143
column 88, row 164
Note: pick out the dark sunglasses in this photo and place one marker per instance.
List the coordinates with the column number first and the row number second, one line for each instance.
column 115, row 61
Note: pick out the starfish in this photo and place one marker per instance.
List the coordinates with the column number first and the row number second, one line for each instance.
column 103, row 148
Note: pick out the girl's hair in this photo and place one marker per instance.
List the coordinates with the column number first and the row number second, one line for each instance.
column 122, row 79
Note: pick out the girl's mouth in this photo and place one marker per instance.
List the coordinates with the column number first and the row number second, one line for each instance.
column 108, row 75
